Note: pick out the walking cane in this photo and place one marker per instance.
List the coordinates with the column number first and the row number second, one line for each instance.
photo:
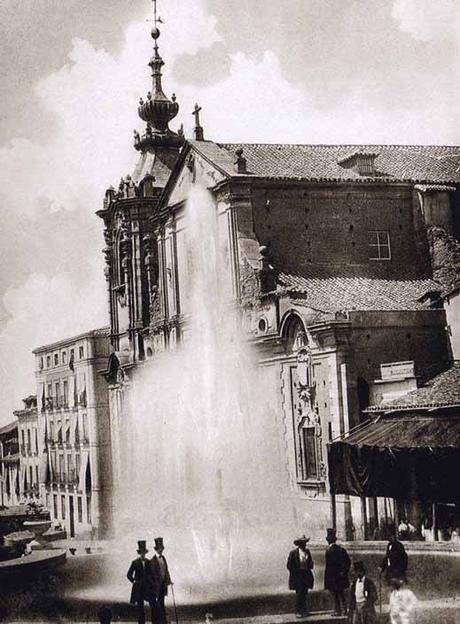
column 174, row 603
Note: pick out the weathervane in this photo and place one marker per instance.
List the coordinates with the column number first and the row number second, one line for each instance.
column 156, row 18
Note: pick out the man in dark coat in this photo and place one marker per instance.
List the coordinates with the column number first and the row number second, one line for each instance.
column 394, row 564
column 300, row 566
column 140, row 574
column 336, row 572
column 363, row 596
column 161, row 581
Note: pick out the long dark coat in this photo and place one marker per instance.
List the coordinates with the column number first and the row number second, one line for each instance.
column 160, row 585
column 394, row 564
column 299, row 579
column 370, row 593
column 337, row 567
column 142, row 577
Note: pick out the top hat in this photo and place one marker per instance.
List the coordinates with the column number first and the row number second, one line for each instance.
column 331, row 534
column 141, row 546
column 301, row 540
column 159, row 543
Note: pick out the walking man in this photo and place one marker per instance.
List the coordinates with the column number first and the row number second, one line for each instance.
column 300, row 566
column 336, row 572
column 140, row 574
column 363, row 597
column 394, row 564
column 161, row 580
column 402, row 603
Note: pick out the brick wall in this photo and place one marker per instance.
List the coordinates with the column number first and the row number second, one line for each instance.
column 380, row 338
column 330, row 226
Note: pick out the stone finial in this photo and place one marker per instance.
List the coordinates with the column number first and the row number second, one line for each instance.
column 240, row 161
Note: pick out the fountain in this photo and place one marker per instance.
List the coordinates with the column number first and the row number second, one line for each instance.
column 200, row 459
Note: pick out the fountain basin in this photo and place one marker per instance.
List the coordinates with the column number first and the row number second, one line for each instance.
column 30, row 566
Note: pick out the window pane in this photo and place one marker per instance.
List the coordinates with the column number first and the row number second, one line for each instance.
column 373, row 238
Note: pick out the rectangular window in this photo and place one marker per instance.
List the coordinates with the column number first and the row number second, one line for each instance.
column 57, row 391
column 88, row 509
column 69, row 467
column 48, row 361
column 50, row 391
column 310, row 464
column 23, row 440
column 67, row 431
column 29, row 447
column 63, row 507
column 77, row 466
column 31, row 476
column 53, row 465
column 66, row 393
column 80, row 509
column 36, row 475
column 61, row 467
column 41, row 363
column 85, row 427
column 52, row 431
column 72, row 354
column 379, row 245
column 56, row 359
column 80, row 352
column 64, row 357
column 55, row 506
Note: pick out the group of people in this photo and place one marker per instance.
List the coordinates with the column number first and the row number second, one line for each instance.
column 362, row 593
column 150, row 581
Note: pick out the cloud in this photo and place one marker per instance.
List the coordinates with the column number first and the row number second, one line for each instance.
column 40, row 311
column 426, row 20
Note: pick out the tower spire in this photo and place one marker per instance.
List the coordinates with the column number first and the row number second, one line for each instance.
column 157, row 110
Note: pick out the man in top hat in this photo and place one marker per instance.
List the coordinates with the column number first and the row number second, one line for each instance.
column 363, row 597
column 140, row 574
column 394, row 564
column 161, row 580
column 336, row 571
column 300, row 566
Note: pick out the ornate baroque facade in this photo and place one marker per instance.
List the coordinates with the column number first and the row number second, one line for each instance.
column 329, row 259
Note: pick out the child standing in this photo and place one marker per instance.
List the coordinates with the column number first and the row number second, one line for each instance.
column 402, row 602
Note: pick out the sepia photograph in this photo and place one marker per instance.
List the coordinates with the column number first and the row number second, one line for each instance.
column 230, row 311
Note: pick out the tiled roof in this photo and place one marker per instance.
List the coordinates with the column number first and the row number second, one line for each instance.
column 343, row 294
column 410, row 431
column 416, row 163
column 440, row 391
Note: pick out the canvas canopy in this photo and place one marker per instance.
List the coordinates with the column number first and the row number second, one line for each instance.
column 401, row 457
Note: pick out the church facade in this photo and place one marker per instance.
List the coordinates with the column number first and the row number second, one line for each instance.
column 330, row 257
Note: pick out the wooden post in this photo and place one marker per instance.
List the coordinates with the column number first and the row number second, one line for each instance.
column 435, row 522
column 364, row 516
column 395, row 505
column 333, row 512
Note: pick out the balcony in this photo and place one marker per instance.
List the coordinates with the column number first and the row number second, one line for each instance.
column 66, row 478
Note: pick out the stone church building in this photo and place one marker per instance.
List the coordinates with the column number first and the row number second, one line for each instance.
column 332, row 259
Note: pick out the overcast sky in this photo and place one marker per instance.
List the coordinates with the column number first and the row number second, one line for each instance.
column 319, row 71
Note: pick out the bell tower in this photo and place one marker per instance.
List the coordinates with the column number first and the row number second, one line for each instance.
column 129, row 211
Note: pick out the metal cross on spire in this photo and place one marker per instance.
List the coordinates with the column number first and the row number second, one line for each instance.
column 198, row 130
